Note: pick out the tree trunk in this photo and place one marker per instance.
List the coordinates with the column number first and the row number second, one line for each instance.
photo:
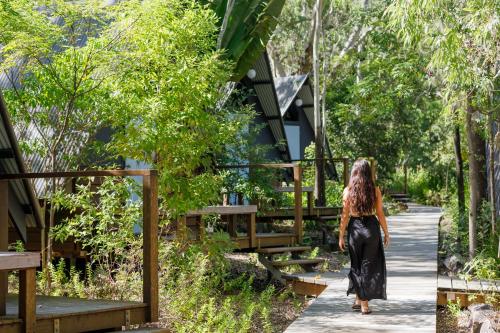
column 477, row 179
column 491, row 174
column 459, row 167
column 319, row 181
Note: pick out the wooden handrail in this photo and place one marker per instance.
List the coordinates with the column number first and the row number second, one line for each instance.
column 82, row 173
column 259, row 165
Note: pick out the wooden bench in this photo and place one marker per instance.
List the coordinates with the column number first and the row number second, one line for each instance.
column 232, row 212
column 26, row 264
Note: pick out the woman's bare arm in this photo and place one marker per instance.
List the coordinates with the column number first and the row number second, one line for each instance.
column 379, row 206
column 344, row 218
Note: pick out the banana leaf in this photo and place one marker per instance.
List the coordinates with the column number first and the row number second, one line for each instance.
column 250, row 25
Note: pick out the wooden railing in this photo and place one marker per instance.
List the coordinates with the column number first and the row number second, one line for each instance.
column 297, row 181
column 150, row 225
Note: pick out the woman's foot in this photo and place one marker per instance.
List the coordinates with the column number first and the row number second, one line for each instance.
column 364, row 308
column 357, row 304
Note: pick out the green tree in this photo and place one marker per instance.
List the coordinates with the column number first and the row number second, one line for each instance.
column 168, row 83
column 389, row 111
column 53, row 55
column 461, row 38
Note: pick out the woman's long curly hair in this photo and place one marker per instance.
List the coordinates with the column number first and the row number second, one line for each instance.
column 361, row 196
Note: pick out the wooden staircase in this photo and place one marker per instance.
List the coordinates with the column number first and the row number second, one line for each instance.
column 273, row 266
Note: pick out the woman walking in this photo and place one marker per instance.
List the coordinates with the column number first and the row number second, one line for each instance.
column 363, row 215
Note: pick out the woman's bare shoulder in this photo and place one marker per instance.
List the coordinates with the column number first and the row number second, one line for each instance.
column 345, row 193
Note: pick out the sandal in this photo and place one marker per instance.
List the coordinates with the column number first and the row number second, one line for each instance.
column 365, row 312
column 356, row 307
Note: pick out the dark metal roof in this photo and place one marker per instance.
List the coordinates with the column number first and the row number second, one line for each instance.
column 265, row 88
column 24, row 209
column 290, row 88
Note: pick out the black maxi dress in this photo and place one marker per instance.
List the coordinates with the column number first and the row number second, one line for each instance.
column 368, row 275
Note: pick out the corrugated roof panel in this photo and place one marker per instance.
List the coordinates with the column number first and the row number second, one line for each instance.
column 262, row 69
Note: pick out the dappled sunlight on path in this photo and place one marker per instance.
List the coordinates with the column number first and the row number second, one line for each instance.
column 411, row 284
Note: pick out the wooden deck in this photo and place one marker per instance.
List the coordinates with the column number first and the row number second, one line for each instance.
column 74, row 315
column 411, row 285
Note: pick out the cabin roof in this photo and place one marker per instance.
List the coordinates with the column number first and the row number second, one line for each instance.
column 24, row 209
column 265, row 89
column 291, row 88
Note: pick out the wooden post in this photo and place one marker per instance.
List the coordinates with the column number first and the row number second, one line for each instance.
column 345, row 161
column 150, row 246
column 297, row 183
column 252, row 231
column 182, row 233
column 310, row 203
column 4, row 241
column 232, row 225
column 201, row 227
column 27, row 299
column 373, row 164
column 43, row 242
column 405, row 170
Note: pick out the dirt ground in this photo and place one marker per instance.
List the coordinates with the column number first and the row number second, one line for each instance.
column 289, row 307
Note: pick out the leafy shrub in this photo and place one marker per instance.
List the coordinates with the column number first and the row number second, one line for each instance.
column 482, row 267
column 198, row 295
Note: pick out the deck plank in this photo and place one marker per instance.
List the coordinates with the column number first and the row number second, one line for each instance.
column 411, row 285
column 57, row 307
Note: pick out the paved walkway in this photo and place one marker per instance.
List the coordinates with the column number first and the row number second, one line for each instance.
column 411, row 285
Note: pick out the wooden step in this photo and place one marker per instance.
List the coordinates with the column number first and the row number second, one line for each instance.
column 329, row 218
column 147, row 330
column 274, row 235
column 307, row 287
column 297, row 262
column 272, row 250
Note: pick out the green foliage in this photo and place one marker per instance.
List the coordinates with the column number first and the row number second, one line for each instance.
column 170, row 79
column 102, row 221
column 248, row 27
column 487, row 242
column 388, row 111
column 18, row 246
column 199, row 296
column 454, row 307
column 64, row 283
column 483, row 267
column 462, row 38
column 423, row 186
column 56, row 74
